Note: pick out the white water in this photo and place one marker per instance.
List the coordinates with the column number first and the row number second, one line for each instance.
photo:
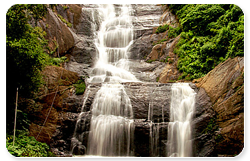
column 181, row 112
column 111, row 127
column 114, row 38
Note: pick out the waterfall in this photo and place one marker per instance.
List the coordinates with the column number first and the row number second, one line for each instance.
column 112, row 124
column 181, row 112
column 114, row 38
column 111, row 130
column 111, row 127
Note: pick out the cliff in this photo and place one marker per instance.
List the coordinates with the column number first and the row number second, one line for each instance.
column 219, row 118
column 225, row 87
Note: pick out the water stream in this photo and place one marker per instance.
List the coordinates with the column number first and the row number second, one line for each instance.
column 112, row 126
column 181, row 113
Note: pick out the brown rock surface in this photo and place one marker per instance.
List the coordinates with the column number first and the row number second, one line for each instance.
column 225, row 87
column 54, row 77
column 170, row 71
column 58, row 33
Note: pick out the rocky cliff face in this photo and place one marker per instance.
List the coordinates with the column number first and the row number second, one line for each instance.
column 57, row 89
column 225, row 87
column 219, row 118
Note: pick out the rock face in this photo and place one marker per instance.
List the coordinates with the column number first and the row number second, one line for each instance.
column 62, row 114
column 225, row 87
column 142, row 96
column 203, row 139
column 151, row 107
column 149, row 46
column 170, row 71
column 58, row 35
column 218, row 125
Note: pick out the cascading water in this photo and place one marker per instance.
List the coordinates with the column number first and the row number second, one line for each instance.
column 114, row 38
column 111, row 127
column 111, row 131
column 181, row 112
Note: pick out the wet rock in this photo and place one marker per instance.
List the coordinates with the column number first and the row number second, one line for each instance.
column 73, row 103
column 79, row 150
column 170, row 71
column 153, row 95
column 203, row 139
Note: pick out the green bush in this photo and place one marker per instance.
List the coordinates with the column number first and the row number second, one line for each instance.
column 162, row 29
column 173, row 32
column 80, row 87
column 211, row 34
column 57, row 61
column 25, row 56
column 65, row 21
column 26, row 146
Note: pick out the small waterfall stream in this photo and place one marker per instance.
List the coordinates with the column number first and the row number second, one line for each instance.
column 111, row 130
column 112, row 119
column 181, row 114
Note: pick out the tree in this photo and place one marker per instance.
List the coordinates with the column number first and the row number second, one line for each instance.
column 25, row 56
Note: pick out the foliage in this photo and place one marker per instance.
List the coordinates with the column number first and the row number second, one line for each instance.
column 211, row 33
column 157, row 79
column 162, row 29
column 162, row 40
column 65, row 21
column 173, row 32
column 211, row 126
column 57, row 61
column 150, row 61
column 26, row 146
column 25, row 48
column 26, row 57
column 80, row 87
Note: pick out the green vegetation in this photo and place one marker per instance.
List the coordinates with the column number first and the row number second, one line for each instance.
column 27, row 146
column 150, row 61
column 25, row 49
column 26, row 58
column 162, row 29
column 172, row 32
column 80, row 87
column 64, row 21
column 57, row 61
column 211, row 33
column 211, row 126
column 157, row 79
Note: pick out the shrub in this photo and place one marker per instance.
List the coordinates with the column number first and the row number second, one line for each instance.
column 65, row 21
column 80, row 87
column 57, row 61
column 173, row 32
column 162, row 29
column 26, row 146
column 211, row 34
